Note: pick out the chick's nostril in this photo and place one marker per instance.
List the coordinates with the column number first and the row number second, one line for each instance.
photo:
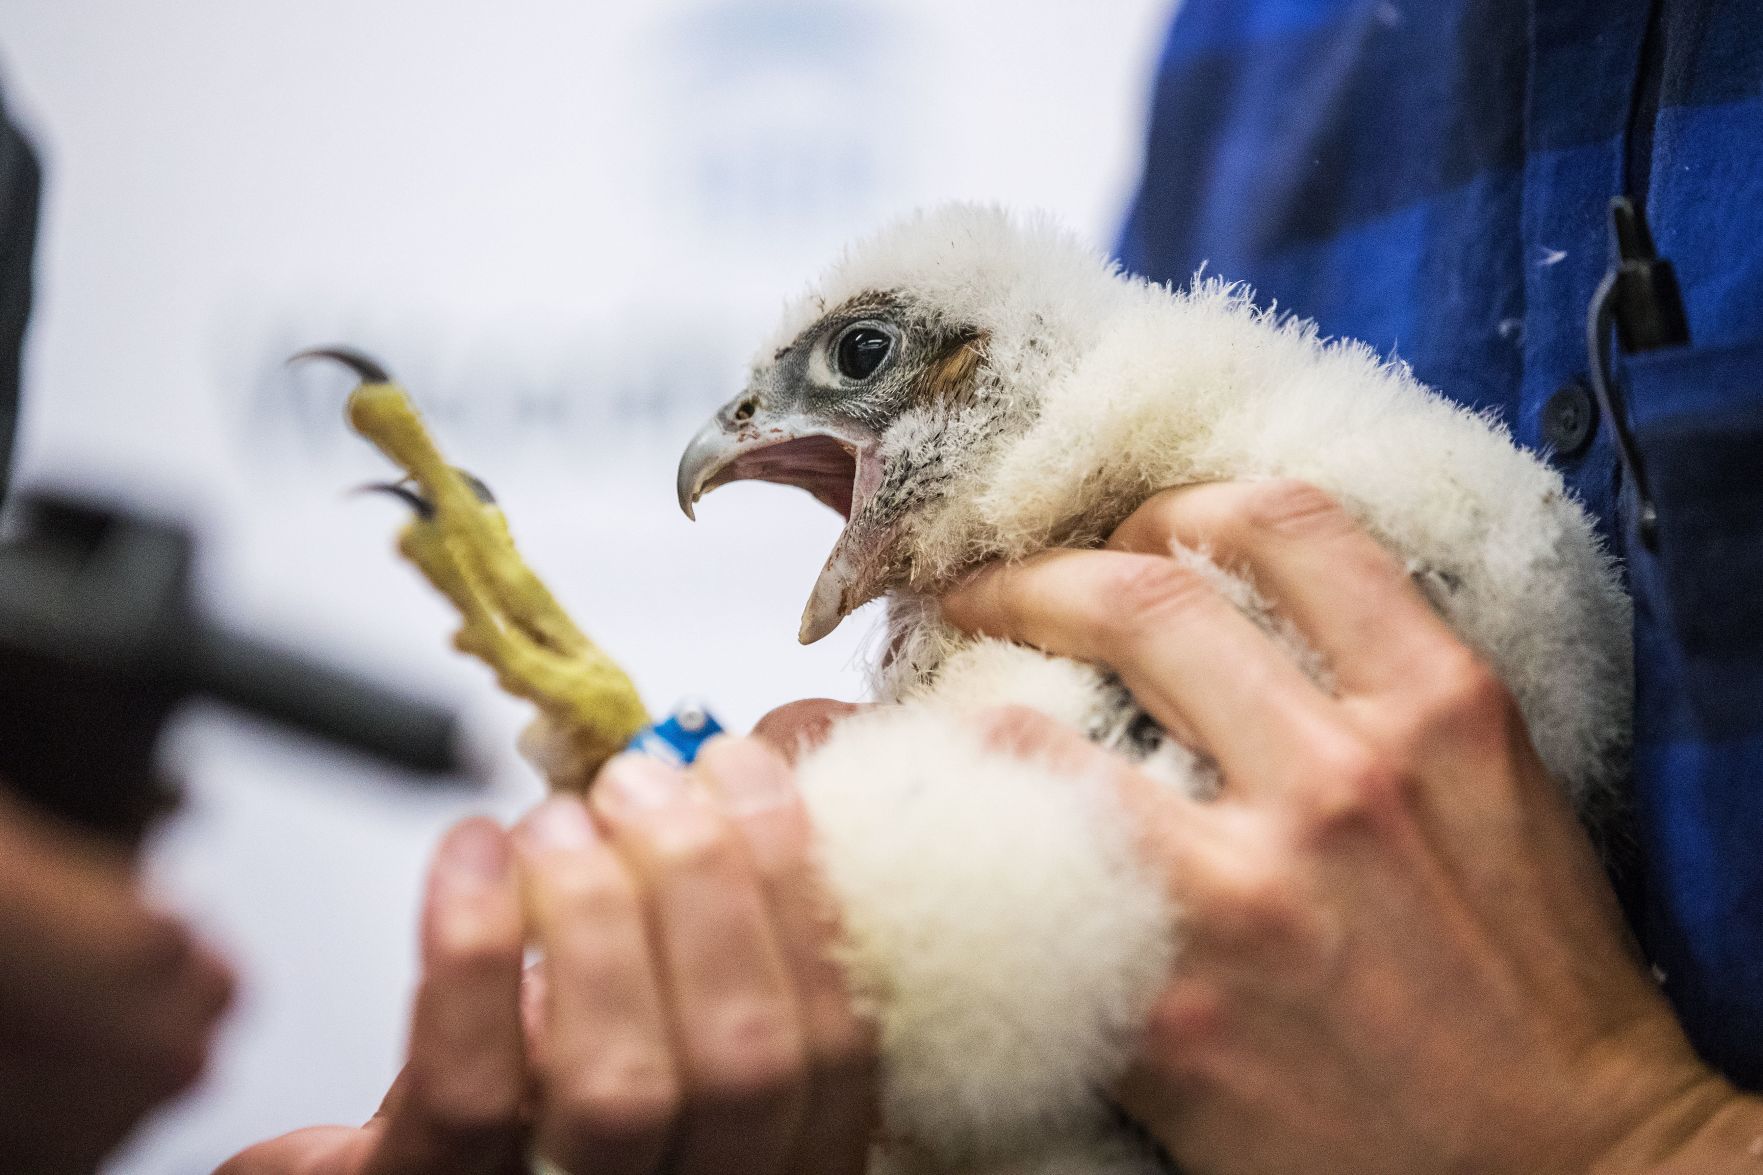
column 744, row 411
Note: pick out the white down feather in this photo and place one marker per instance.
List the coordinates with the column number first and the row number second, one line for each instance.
column 998, row 922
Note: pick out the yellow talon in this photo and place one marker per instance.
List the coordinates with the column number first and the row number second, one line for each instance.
column 511, row 621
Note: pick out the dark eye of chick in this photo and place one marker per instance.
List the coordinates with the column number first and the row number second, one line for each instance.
column 861, row 350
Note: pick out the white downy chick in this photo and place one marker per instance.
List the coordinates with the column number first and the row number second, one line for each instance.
column 967, row 386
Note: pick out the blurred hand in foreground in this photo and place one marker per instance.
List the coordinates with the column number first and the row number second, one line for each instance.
column 685, row 1016
column 107, row 1006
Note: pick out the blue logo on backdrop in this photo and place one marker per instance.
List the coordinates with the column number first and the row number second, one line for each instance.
column 784, row 117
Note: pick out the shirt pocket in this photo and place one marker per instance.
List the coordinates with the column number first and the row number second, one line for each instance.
column 1698, row 423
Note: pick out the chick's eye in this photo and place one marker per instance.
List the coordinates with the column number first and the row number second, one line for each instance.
column 861, row 350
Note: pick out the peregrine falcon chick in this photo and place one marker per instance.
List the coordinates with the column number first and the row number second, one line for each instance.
column 966, row 386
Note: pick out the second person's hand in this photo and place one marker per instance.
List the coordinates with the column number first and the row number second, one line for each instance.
column 690, row 1015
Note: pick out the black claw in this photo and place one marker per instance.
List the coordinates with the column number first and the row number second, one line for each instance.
column 367, row 369
column 477, row 486
column 423, row 508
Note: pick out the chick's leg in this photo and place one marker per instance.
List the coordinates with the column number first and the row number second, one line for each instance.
column 589, row 708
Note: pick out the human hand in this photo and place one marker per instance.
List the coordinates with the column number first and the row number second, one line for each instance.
column 107, row 1006
column 684, row 1012
column 1399, row 952
column 459, row 1107
column 693, row 1011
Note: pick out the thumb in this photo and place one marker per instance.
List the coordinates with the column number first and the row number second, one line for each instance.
column 796, row 728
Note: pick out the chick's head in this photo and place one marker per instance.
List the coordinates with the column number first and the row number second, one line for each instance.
column 894, row 382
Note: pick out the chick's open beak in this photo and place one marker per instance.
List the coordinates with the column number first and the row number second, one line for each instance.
column 705, row 455
column 835, row 461
column 787, row 449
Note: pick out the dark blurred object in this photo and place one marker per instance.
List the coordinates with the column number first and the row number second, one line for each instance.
column 100, row 643
column 20, row 181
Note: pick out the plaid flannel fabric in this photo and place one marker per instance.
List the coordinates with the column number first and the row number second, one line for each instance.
column 1433, row 176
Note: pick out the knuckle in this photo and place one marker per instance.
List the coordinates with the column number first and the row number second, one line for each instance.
column 1145, row 591
column 754, row 1053
column 620, row 1102
column 1358, row 789
column 1468, row 690
column 698, row 845
column 1263, row 907
column 1152, row 527
column 1459, row 702
column 1287, row 506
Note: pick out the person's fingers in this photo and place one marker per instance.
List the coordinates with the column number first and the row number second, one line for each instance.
column 316, row 1150
column 797, row 727
column 103, row 993
column 456, row 1109
column 736, row 1020
column 1172, row 828
column 99, row 956
column 753, row 783
column 1219, row 864
column 1026, row 733
column 1193, row 661
column 610, row 1089
column 164, row 993
column 1345, row 591
column 1434, row 717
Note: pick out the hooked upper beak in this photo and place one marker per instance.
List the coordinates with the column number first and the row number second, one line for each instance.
column 711, row 450
column 788, row 448
column 834, row 461
column 703, row 455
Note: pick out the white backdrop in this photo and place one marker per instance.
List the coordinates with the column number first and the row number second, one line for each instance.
column 562, row 224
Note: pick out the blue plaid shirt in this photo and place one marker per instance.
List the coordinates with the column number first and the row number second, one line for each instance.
column 1433, row 176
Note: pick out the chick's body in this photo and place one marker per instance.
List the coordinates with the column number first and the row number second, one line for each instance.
column 1028, row 396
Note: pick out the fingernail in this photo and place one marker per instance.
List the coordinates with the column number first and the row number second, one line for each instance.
column 748, row 778
column 476, row 850
column 643, row 782
column 560, row 824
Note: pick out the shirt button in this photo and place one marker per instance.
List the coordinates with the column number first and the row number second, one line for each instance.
column 1569, row 419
